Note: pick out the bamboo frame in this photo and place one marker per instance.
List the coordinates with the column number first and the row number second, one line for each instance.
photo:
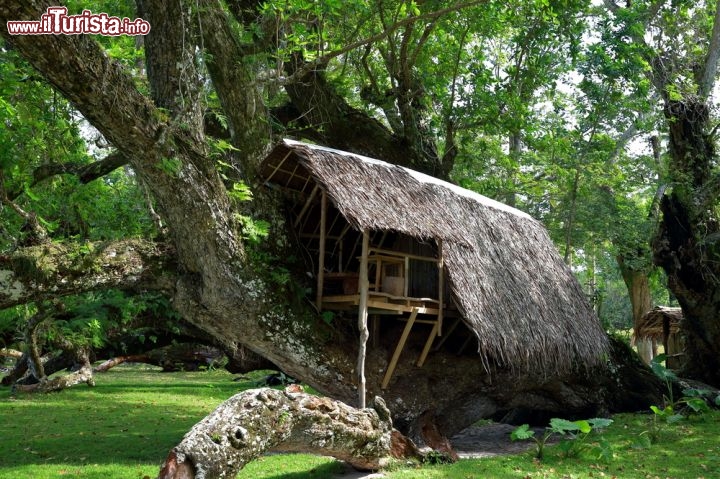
column 278, row 166
column 306, row 206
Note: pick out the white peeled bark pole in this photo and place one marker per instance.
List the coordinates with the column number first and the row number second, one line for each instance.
column 362, row 318
column 321, row 260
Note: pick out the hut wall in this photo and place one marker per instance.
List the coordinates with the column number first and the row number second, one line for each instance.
column 423, row 279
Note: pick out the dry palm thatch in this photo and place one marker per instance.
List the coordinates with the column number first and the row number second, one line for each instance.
column 523, row 303
column 651, row 325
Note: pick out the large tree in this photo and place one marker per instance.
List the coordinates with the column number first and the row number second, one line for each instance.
column 675, row 47
column 218, row 281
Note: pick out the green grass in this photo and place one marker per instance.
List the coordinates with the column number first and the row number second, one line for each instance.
column 690, row 450
column 125, row 426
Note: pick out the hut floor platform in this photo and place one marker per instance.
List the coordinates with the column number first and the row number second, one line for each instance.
column 385, row 303
column 379, row 303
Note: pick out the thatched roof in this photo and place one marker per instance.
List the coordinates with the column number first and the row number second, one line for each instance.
column 651, row 324
column 511, row 286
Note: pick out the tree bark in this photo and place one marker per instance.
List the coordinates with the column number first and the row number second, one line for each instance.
column 262, row 420
column 83, row 375
column 638, row 286
column 687, row 244
column 55, row 269
column 10, row 353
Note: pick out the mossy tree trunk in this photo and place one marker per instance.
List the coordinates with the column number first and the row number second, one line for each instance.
column 687, row 245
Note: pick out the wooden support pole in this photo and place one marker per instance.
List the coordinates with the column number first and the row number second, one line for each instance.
column 399, row 348
column 428, row 344
column 450, row 330
column 441, row 286
column 362, row 317
column 321, row 261
column 339, row 244
column 278, row 166
column 306, row 206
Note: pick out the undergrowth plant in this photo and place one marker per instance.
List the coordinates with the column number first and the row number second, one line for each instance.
column 693, row 402
column 574, row 434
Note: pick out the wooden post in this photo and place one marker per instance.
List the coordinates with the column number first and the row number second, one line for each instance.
column 321, row 261
column 428, row 345
column 362, row 317
column 406, row 274
column 399, row 348
column 441, row 286
column 666, row 340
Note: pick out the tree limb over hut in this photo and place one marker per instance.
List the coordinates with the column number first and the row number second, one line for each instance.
column 60, row 269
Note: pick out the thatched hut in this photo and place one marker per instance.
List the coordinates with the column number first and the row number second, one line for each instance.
column 432, row 251
column 663, row 324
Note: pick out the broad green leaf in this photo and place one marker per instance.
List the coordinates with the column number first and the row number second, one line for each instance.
column 562, row 426
column 583, row 426
column 521, row 433
column 675, row 418
column 600, row 422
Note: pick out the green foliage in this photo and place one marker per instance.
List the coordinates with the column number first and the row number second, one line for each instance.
column 253, row 230
column 574, row 434
column 41, row 130
column 327, row 316
column 693, row 402
column 436, row 457
column 171, row 166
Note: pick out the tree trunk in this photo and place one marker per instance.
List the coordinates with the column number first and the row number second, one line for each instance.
column 638, row 285
column 83, row 375
column 687, row 245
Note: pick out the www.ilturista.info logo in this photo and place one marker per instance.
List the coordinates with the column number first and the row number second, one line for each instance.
column 56, row 21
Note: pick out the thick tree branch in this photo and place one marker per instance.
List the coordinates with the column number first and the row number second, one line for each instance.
column 262, row 420
column 98, row 86
column 709, row 69
column 85, row 172
column 10, row 353
column 53, row 269
column 240, row 99
column 37, row 233
column 322, row 60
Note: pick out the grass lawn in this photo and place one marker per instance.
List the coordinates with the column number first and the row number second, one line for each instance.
column 124, row 427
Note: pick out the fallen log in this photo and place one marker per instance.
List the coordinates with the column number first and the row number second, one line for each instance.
column 257, row 421
column 173, row 357
column 58, row 383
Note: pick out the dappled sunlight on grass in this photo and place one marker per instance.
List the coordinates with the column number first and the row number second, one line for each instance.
column 132, row 417
column 125, row 426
